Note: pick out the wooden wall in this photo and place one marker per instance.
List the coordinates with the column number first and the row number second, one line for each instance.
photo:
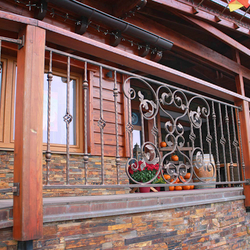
column 108, row 106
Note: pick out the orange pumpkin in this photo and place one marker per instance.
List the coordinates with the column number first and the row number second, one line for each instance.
column 175, row 158
column 187, row 176
column 186, row 187
column 163, row 144
column 192, row 187
column 177, row 180
column 178, row 188
column 183, row 180
column 171, row 188
column 166, row 176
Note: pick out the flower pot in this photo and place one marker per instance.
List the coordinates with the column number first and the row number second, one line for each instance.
column 144, row 189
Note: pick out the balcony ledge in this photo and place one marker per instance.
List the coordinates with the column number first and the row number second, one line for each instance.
column 83, row 207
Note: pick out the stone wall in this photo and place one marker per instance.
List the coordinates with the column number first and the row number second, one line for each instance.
column 222, row 225
column 6, row 172
column 57, row 175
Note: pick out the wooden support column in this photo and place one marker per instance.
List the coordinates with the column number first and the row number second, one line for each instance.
column 28, row 206
column 245, row 130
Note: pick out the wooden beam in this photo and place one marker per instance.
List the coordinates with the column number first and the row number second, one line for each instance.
column 245, row 136
column 87, row 45
column 218, row 34
column 125, row 103
column 245, row 130
column 203, row 14
column 239, row 78
column 28, row 206
column 125, row 8
column 193, row 48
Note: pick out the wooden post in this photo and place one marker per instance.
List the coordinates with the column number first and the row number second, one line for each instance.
column 28, row 206
column 245, row 130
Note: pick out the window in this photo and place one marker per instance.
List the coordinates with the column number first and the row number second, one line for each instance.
column 58, row 109
column 7, row 77
column 136, row 121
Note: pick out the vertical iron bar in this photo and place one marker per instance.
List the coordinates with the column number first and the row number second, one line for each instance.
column 201, row 143
column 68, row 122
column 85, row 86
column 48, row 152
column 229, row 144
column 216, row 142
column 142, row 129
column 115, row 93
column 209, row 140
column 242, row 156
column 101, row 125
column 155, row 131
column 223, row 142
column 129, row 128
column 235, row 143
column 192, row 135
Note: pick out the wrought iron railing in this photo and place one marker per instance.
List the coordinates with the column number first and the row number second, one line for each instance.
column 205, row 133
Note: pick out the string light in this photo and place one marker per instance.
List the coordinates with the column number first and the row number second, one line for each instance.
column 67, row 17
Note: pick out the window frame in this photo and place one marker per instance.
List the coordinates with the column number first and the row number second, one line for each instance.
column 2, row 103
column 9, row 66
column 78, row 147
column 7, row 102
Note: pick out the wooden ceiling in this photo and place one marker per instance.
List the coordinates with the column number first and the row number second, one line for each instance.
column 179, row 19
column 160, row 13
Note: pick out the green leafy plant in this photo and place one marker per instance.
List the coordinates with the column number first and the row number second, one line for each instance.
column 144, row 172
column 159, row 180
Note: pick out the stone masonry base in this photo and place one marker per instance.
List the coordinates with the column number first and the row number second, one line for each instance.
column 142, row 221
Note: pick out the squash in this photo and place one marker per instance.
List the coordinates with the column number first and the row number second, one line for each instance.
column 174, row 158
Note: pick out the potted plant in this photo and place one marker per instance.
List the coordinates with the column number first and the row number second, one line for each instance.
column 143, row 173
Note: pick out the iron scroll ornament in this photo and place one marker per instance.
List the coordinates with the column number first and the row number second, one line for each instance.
column 164, row 97
column 148, row 108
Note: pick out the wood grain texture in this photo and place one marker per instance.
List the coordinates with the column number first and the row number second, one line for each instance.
column 218, row 34
column 28, row 207
column 126, row 152
column 96, row 48
column 245, row 129
column 188, row 8
column 66, row 38
column 245, row 132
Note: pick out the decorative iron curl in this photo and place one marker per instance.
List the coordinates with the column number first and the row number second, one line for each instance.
column 171, row 134
column 176, row 170
column 180, row 129
column 179, row 100
column 195, row 117
column 148, row 108
column 164, row 96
